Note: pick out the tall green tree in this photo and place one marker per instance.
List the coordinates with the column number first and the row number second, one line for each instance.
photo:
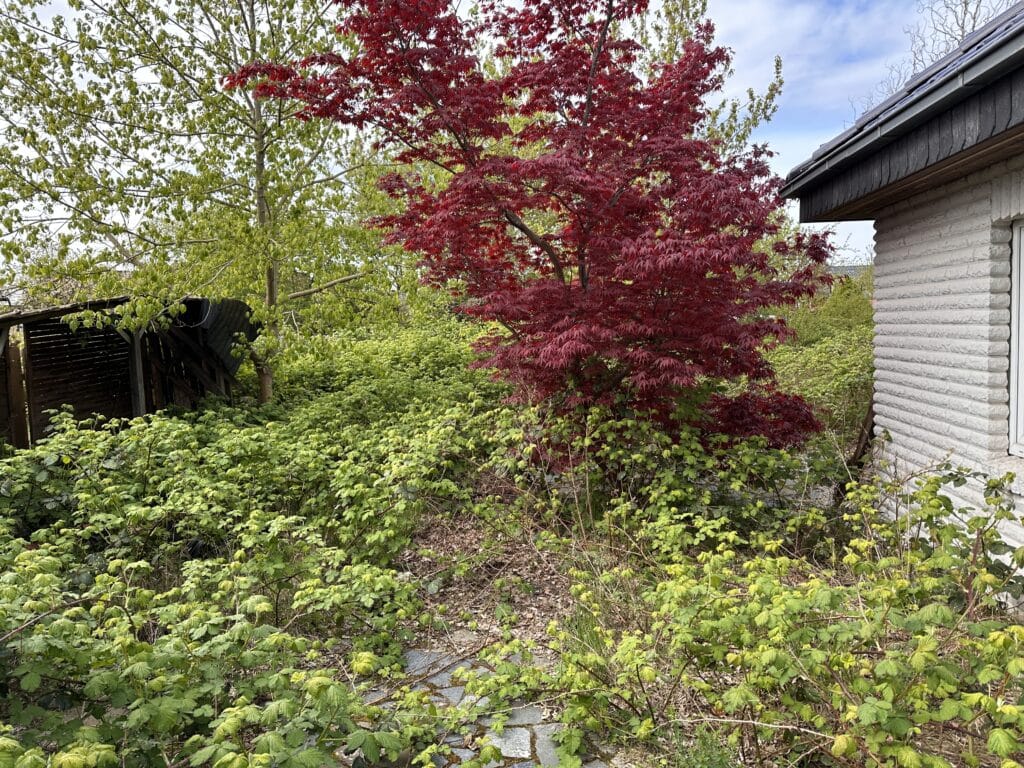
column 126, row 167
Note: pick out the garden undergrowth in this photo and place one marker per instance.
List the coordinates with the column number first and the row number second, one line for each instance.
column 218, row 588
column 793, row 635
column 236, row 587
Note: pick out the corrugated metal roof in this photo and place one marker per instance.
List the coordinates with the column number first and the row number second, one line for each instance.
column 224, row 321
column 984, row 55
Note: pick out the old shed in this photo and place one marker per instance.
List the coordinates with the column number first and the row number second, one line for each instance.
column 46, row 363
column 940, row 168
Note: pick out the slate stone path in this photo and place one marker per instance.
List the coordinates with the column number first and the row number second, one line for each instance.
column 526, row 741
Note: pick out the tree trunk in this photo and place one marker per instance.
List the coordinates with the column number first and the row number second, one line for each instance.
column 266, row 379
column 264, row 372
column 264, row 221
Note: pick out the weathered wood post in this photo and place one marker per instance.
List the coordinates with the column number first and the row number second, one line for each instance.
column 137, row 374
column 16, row 396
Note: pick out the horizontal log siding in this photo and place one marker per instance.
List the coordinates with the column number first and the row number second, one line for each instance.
column 942, row 312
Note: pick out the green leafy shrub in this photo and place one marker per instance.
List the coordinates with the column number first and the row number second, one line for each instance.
column 846, row 307
column 118, row 672
column 895, row 650
column 830, row 360
column 668, row 496
column 393, row 370
column 835, row 374
column 211, row 588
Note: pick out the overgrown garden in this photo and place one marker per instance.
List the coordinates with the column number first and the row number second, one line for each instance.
column 613, row 354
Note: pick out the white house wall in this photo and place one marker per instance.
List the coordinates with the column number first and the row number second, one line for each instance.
column 942, row 318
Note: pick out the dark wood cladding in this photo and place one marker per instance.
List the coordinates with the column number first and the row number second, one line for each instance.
column 86, row 369
column 958, row 141
column 178, row 371
column 112, row 372
column 5, row 400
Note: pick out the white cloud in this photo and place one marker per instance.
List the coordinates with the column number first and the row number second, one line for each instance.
column 834, row 55
column 831, row 51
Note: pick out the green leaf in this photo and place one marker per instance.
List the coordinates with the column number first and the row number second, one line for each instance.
column 371, row 750
column 355, row 740
column 948, row 710
column 908, row 757
column 990, row 674
column 257, row 604
column 389, row 742
column 31, row 682
column 1002, row 742
column 33, row 758
column 843, row 745
column 898, row 726
column 205, row 754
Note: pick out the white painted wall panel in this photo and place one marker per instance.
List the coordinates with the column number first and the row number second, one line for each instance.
column 942, row 298
column 959, row 330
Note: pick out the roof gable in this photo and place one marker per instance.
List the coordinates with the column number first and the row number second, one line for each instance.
column 964, row 111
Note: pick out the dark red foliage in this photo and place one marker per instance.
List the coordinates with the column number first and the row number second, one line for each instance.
column 581, row 208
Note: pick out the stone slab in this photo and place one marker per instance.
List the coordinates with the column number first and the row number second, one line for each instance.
column 452, row 695
column 513, row 742
column 529, row 714
column 546, row 745
column 417, row 661
column 443, row 679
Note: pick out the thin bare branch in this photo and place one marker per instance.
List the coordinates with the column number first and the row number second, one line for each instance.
column 325, row 286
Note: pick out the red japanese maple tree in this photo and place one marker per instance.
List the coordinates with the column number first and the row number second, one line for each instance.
column 583, row 209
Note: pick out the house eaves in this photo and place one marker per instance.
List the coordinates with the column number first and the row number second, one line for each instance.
column 985, row 56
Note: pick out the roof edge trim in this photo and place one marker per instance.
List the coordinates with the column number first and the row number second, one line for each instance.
column 936, row 91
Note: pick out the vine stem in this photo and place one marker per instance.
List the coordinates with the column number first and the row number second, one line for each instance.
column 36, row 619
column 742, row 721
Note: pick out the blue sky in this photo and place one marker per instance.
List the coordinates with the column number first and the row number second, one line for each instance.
column 834, row 54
